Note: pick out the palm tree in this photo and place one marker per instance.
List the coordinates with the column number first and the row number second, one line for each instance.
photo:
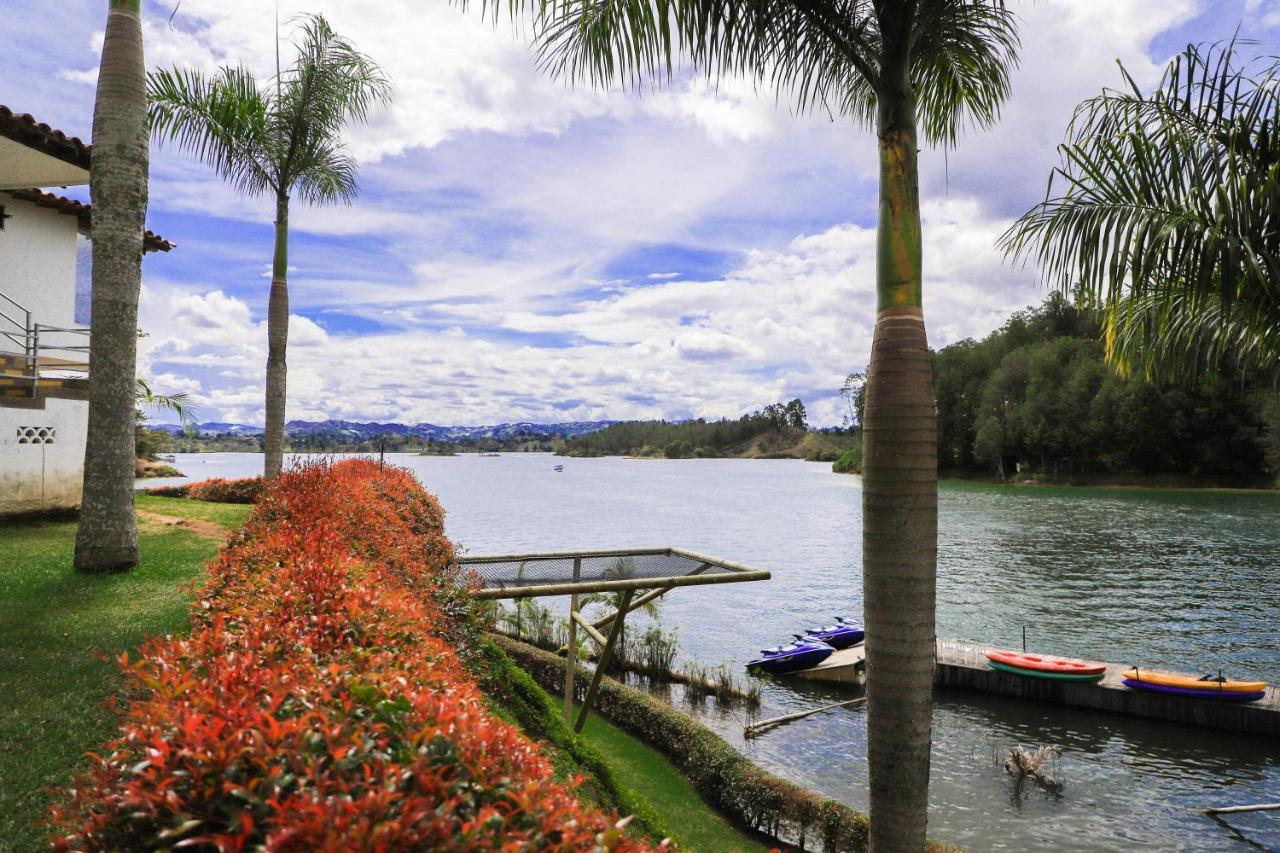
column 907, row 68
column 1165, row 213
column 107, row 536
column 283, row 138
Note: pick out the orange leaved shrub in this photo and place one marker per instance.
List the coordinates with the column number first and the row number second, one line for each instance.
column 218, row 490
column 318, row 704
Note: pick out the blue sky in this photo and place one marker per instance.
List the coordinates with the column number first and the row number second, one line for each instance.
column 528, row 250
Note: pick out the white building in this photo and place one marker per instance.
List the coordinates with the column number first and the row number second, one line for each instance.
column 44, row 340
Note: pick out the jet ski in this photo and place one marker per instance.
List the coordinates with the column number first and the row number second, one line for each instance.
column 840, row 635
column 803, row 653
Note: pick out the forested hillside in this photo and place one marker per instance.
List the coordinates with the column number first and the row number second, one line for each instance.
column 1038, row 398
column 778, row 430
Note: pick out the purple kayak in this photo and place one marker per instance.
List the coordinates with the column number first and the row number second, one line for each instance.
column 1215, row 695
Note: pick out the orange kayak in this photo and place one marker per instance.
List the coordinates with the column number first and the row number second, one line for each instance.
column 1046, row 663
column 1188, row 682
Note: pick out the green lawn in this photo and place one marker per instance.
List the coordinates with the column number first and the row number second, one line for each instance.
column 228, row 515
column 52, row 621
column 646, row 772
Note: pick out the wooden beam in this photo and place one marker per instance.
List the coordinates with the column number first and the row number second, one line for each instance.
column 589, row 628
column 757, row 729
column 635, row 605
column 570, row 660
column 632, row 584
column 571, row 655
column 603, row 663
column 1263, row 807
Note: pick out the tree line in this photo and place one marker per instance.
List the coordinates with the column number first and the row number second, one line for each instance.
column 692, row 438
column 1037, row 397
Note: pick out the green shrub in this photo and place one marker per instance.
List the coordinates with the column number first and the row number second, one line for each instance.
column 515, row 694
column 721, row 774
column 850, row 462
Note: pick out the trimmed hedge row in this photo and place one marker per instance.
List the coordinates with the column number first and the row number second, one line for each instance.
column 517, row 696
column 216, row 490
column 319, row 703
column 721, row 774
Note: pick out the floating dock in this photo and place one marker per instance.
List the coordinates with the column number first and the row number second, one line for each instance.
column 963, row 665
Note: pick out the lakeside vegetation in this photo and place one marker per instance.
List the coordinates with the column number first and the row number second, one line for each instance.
column 778, row 431
column 1037, row 399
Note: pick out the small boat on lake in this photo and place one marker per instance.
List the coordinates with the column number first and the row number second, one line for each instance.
column 1045, row 666
column 1218, row 689
column 841, row 635
column 803, row 653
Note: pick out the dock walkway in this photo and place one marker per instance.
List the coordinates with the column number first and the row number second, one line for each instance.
column 963, row 664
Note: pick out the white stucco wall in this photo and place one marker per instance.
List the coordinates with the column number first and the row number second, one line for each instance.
column 37, row 476
column 38, row 263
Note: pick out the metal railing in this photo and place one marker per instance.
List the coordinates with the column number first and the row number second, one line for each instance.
column 47, row 351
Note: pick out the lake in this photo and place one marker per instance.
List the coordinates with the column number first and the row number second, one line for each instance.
column 1186, row 580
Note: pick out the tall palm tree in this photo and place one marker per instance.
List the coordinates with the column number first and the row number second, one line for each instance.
column 278, row 139
column 1163, row 213
column 907, row 69
column 107, row 536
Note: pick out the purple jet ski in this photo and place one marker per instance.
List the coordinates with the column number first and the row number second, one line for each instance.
column 805, row 652
column 841, row 635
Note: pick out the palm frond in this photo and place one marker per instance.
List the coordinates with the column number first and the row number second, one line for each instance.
column 179, row 404
column 1176, row 192
column 961, row 61
column 326, row 175
column 1183, row 337
column 825, row 54
column 329, row 85
column 219, row 119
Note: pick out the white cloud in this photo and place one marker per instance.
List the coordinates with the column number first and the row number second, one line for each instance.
column 507, row 200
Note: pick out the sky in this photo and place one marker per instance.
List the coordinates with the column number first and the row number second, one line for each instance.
column 524, row 248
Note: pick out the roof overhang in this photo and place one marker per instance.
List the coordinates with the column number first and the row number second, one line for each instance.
column 151, row 241
column 33, row 154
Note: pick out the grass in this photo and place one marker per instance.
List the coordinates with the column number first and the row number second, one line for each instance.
column 53, row 625
column 229, row 516
column 647, row 773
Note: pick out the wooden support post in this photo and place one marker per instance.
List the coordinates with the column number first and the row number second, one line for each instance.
column 635, row 605
column 571, row 653
column 590, row 629
column 603, row 662
column 571, row 656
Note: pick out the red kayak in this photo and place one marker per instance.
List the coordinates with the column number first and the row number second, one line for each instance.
column 1046, row 663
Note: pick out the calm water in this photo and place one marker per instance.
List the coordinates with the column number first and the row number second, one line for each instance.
column 1177, row 579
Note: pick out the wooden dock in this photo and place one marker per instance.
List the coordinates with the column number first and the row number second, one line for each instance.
column 962, row 664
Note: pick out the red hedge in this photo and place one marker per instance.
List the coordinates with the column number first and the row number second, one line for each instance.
column 316, row 704
column 218, row 490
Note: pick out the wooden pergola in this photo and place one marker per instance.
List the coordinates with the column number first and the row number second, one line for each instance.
column 641, row 575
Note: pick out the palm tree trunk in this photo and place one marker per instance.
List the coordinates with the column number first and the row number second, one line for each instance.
column 899, row 499
column 107, row 537
column 277, row 343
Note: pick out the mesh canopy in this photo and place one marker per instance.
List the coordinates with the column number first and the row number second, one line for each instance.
column 595, row 570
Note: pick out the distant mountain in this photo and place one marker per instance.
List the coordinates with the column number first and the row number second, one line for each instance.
column 361, row 431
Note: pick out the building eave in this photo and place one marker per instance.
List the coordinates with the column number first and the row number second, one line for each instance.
column 83, row 213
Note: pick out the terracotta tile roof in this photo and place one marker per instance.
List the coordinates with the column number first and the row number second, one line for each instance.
column 23, row 128
column 151, row 241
